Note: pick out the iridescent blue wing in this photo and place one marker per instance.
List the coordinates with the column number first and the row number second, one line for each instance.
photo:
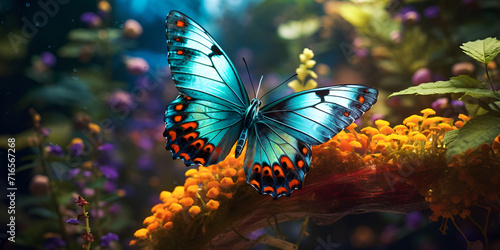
column 286, row 129
column 199, row 66
column 200, row 131
column 204, row 122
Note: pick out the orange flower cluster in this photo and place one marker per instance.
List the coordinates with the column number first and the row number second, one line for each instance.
column 470, row 179
column 201, row 194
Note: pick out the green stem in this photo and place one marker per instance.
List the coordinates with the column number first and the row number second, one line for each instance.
column 488, row 76
column 87, row 225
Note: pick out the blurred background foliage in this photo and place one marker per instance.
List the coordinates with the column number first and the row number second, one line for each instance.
column 104, row 62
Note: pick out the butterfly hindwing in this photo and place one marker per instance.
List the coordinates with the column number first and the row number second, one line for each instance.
column 315, row 116
column 278, row 163
column 199, row 131
column 200, row 68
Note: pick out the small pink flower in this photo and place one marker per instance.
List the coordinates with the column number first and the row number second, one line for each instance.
column 132, row 29
column 422, row 75
column 463, row 68
column 137, row 66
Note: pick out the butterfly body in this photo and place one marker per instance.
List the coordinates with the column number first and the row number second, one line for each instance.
column 214, row 112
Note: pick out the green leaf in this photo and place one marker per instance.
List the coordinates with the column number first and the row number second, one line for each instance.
column 457, row 84
column 479, row 130
column 483, row 51
column 450, row 136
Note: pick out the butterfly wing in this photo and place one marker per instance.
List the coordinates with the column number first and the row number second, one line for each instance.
column 200, row 68
column 286, row 129
column 200, row 131
column 204, row 122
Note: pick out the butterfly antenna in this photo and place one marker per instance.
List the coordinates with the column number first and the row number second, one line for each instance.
column 249, row 76
column 294, row 75
column 258, row 88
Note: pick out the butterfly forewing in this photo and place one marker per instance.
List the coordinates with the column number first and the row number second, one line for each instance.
column 204, row 122
column 199, row 67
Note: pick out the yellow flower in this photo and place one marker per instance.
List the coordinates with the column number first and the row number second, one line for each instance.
column 94, row 128
column 169, row 225
column 213, row 193
column 194, row 210
column 213, row 204
column 175, row 207
column 187, row 201
column 226, row 182
column 141, row 233
column 303, row 72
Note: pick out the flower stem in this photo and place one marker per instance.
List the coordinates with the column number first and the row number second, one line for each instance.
column 87, row 225
column 488, row 76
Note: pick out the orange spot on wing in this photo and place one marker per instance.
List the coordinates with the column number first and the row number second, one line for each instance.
column 198, row 143
column 346, row 114
column 187, row 125
column 281, row 190
column 191, row 136
column 180, row 23
column 179, row 106
column 185, row 156
column 175, row 147
column 199, row 160
column 177, row 118
column 286, row 163
column 189, row 98
column 361, row 99
column 266, row 171
column 209, row 148
column 304, row 150
column 172, row 135
column 300, row 163
column 293, row 183
column 180, row 52
column 257, row 168
column 269, row 189
column 255, row 183
column 278, row 171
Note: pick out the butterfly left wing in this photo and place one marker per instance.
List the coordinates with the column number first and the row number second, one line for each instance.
column 285, row 130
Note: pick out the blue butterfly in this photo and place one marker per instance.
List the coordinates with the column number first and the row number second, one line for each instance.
column 214, row 112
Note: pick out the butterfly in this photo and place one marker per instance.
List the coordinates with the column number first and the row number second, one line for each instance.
column 213, row 112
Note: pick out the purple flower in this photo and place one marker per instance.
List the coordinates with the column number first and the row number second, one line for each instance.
column 106, row 147
column 376, row 117
column 422, row 75
column 53, row 243
column 109, row 172
column 119, row 99
column 109, row 186
column 91, row 19
column 414, row 220
column 144, row 162
column 73, row 221
column 76, row 149
column 45, row 131
column 409, row 15
column 48, row 58
column 73, row 172
column 54, row 150
column 440, row 103
column 432, row 11
column 457, row 103
column 137, row 66
column 106, row 239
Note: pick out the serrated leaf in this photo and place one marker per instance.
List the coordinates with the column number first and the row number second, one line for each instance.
column 458, row 84
column 479, row 130
column 484, row 50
